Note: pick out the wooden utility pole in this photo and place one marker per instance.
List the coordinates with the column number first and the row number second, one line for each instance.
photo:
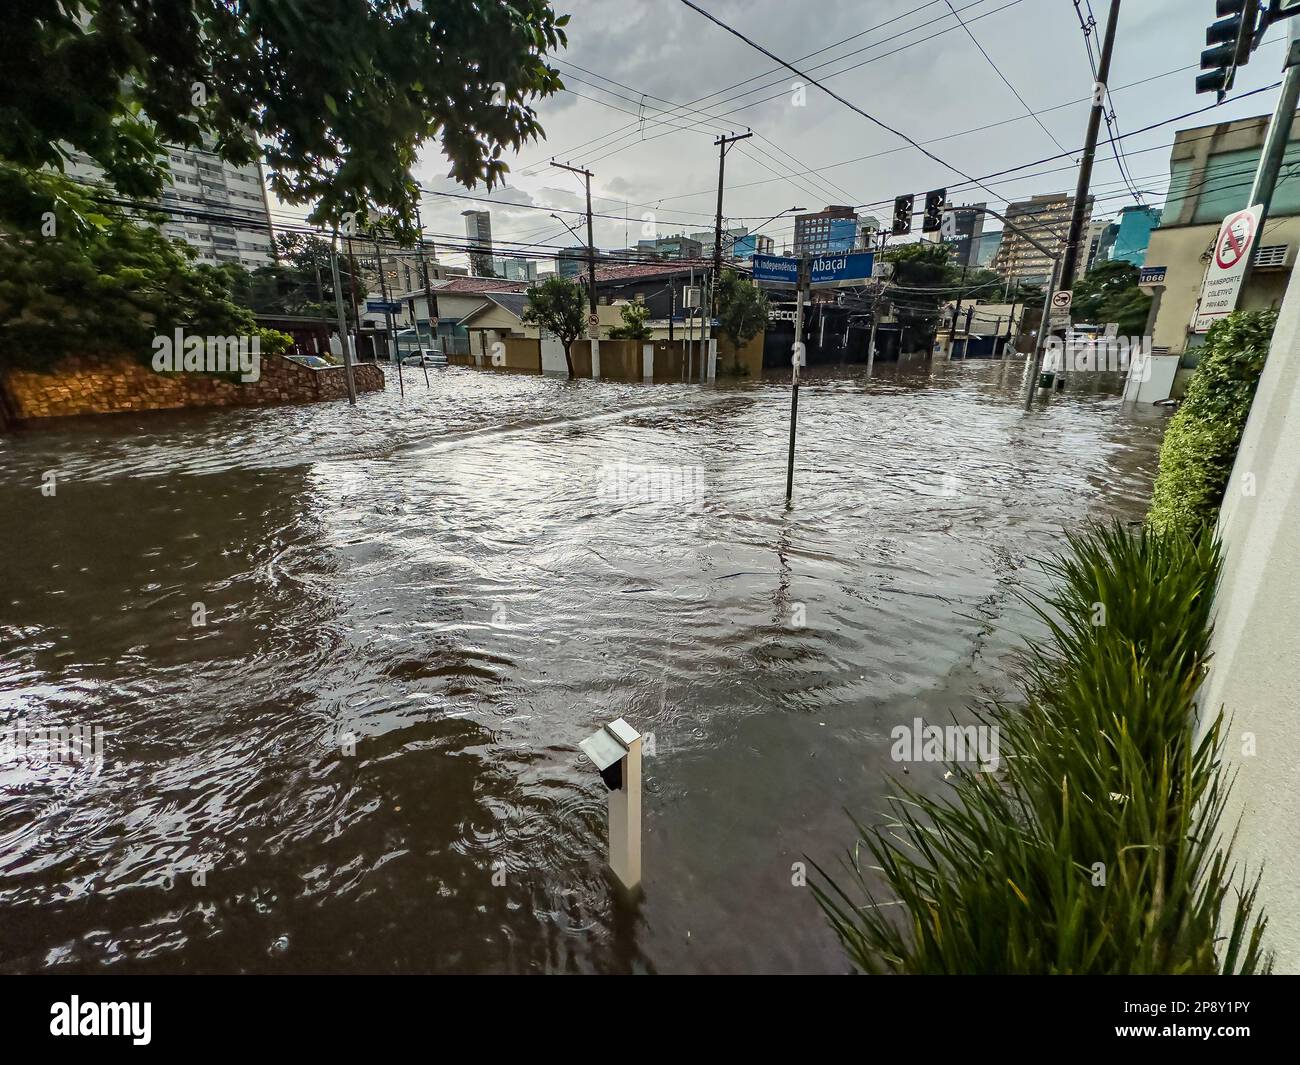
column 723, row 143
column 1070, row 259
column 591, row 247
column 343, row 324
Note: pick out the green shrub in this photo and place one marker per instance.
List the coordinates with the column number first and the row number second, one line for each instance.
column 1201, row 442
column 1094, row 847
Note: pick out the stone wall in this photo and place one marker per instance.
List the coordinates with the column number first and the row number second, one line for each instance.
column 110, row 385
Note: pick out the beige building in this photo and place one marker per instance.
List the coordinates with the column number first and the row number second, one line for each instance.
column 1047, row 220
column 1211, row 169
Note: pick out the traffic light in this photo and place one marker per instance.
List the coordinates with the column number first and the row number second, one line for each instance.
column 1230, row 42
column 903, row 215
column 934, row 202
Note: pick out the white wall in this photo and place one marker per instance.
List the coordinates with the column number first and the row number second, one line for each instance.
column 1255, row 674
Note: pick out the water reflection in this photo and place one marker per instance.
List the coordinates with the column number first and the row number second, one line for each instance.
column 416, row 609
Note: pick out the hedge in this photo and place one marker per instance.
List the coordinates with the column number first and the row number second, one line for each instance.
column 1201, row 442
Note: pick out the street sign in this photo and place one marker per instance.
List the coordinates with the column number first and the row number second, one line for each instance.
column 380, row 307
column 1152, row 275
column 1233, row 248
column 776, row 269
column 823, row 269
column 1062, row 301
column 850, row 266
column 593, row 321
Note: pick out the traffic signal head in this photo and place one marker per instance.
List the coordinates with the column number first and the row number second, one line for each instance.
column 934, row 202
column 903, row 215
column 1230, row 41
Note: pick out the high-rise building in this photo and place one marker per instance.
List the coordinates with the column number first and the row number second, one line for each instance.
column 517, row 269
column 678, row 247
column 1097, row 238
column 834, row 229
column 478, row 231
column 752, row 244
column 219, row 209
column 986, row 248
column 1047, row 220
column 1133, row 233
column 729, row 238
column 969, row 222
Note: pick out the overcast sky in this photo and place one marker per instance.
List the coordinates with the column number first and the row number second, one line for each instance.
column 915, row 69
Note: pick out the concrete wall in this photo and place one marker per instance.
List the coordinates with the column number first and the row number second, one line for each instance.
column 109, row 385
column 1255, row 673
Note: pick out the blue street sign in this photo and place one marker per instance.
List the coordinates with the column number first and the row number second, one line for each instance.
column 843, row 266
column 379, row 307
column 776, row 268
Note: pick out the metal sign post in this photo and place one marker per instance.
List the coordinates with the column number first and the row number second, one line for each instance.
column 796, row 359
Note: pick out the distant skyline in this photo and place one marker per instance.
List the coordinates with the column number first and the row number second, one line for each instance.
column 920, row 72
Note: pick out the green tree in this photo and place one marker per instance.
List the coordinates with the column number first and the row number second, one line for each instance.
column 635, row 316
column 1109, row 293
column 111, row 291
column 560, row 306
column 742, row 309
column 339, row 95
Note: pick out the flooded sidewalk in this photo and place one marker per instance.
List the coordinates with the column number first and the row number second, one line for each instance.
column 341, row 659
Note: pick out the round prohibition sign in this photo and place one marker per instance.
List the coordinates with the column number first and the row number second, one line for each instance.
column 1233, row 246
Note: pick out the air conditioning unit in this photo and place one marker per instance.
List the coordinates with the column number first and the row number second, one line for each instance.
column 1273, row 257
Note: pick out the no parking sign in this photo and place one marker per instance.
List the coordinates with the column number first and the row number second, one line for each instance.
column 1233, row 247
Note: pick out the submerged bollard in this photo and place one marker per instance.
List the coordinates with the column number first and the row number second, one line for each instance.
column 616, row 751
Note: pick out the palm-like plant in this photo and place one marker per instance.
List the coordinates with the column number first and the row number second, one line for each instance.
column 1095, row 849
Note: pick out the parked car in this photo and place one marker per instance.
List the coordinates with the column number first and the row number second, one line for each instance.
column 426, row 357
column 314, row 361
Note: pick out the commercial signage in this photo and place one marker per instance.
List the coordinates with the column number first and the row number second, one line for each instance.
column 1233, row 248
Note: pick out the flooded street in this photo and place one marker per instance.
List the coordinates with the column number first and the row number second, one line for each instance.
column 416, row 609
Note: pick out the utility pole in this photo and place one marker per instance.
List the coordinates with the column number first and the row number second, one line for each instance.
column 1275, row 142
column 794, row 374
column 1070, row 259
column 393, row 353
column 430, row 301
column 723, row 143
column 591, row 247
column 343, row 321
column 956, row 310
column 352, row 291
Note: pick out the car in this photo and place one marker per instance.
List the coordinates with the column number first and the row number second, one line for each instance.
column 427, row 357
column 314, row 361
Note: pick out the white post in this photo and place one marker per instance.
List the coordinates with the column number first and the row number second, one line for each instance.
column 595, row 359
column 647, row 362
column 616, row 752
column 713, row 358
column 625, row 812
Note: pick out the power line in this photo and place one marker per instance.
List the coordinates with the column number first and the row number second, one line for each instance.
column 1014, row 91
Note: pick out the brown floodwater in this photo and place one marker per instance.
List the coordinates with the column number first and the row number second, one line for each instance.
column 417, row 608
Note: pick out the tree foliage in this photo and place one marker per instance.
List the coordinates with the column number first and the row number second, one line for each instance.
column 339, row 95
column 110, row 288
column 634, row 327
column 742, row 308
column 1109, row 293
column 559, row 305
